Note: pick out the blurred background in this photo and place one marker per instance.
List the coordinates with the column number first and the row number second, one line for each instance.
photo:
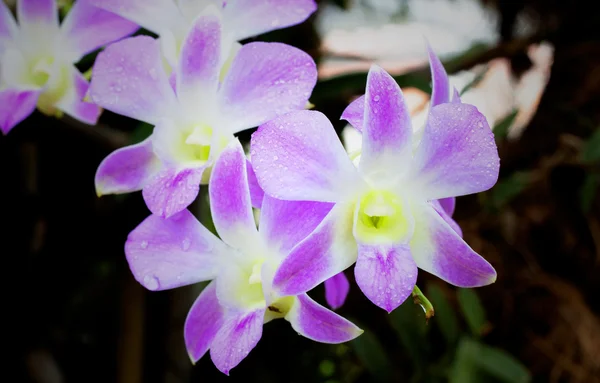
column 75, row 313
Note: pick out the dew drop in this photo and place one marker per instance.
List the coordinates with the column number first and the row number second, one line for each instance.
column 185, row 245
column 151, row 282
column 376, row 98
column 144, row 244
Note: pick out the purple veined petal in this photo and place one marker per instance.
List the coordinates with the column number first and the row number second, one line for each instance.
column 15, row 106
column 385, row 273
column 448, row 204
column 440, row 93
column 8, row 26
column 239, row 334
column 37, row 15
column 203, row 321
column 256, row 193
column 265, row 80
column 317, row 323
column 441, row 210
column 328, row 250
column 87, row 28
column 387, row 130
column 199, row 63
column 129, row 79
column 439, row 250
column 127, row 169
column 456, row 97
column 283, row 224
column 336, row 290
column 355, row 113
column 172, row 189
column 168, row 253
column 72, row 101
column 457, row 154
column 229, row 193
column 253, row 17
column 153, row 15
column 298, row 156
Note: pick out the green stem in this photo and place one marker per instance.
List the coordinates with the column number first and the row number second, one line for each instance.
column 421, row 300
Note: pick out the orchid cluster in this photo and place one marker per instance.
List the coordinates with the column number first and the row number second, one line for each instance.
column 386, row 209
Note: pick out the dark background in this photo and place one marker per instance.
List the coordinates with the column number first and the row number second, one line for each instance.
column 74, row 313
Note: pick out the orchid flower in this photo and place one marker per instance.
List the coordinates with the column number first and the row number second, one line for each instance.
column 382, row 218
column 228, row 316
column 171, row 19
column 196, row 120
column 37, row 57
column 440, row 94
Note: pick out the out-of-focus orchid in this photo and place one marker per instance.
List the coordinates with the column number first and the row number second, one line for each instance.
column 383, row 218
column 228, row 316
column 196, row 117
column 37, row 57
column 171, row 19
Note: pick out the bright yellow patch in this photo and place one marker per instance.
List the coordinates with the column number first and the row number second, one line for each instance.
column 382, row 216
column 58, row 86
column 279, row 308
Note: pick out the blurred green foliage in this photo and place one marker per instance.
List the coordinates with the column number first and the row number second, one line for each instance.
column 463, row 358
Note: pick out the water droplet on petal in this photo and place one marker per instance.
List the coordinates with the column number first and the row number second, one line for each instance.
column 151, row 282
column 144, row 244
column 185, row 245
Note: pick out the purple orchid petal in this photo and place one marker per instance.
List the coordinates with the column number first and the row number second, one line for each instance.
column 355, row 113
column 127, row 169
column 199, row 63
column 328, row 250
column 448, row 204
column 153, row 15
column 266, row 80
column 129, row 79
column 386, row 274
column 8, row 26
column 168, row 253
column 387, row 130
column 87, row 28
column 298, row 156
column 36, row 14
column 253, row 17
column 256, row 193
column 230, row 196
column 439, row 250
column 72, row 102
column 202, row 323
column 172, row 189
column 15, row 106
column 336, row 290
column 456, row 97
column 284, row 224
column 317, row 323
column 437, row 205
column 457, row 154
column 440, row 93
column 236, row 338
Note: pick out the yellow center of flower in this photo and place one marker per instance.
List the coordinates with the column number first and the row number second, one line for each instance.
column 382, row 215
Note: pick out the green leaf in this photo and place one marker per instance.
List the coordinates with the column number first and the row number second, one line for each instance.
column 591, row 148
column 464, row 369
column 445, row 317
column 508, row 188
column 501, row 365
column 141, row 132
column 589, row 191
column 472, row 310
column 476, row 362
column 370, row 352
column 409, row 323
column 501, row 128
